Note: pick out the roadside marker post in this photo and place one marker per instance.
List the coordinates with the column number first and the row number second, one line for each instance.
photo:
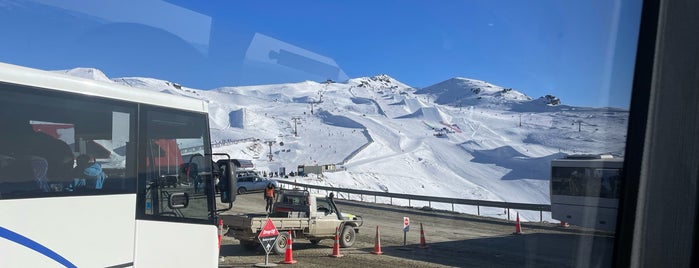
column 406, row 229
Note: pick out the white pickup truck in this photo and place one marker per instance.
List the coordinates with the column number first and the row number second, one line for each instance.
column 309, row 216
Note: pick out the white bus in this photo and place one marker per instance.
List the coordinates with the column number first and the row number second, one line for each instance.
column 585, row 190
column 150, row 206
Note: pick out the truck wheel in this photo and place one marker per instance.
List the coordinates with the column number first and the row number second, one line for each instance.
column 314, row 241
column 249, row 245
column 347, row 237
column 281, row 243
column 242, row 190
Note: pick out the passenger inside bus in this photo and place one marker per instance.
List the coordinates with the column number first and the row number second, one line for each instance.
column 23, row 174
column 87, row 174
column 31, row 155
column 57, row 153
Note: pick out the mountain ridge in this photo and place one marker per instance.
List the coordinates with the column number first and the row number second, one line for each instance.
column 383, row 134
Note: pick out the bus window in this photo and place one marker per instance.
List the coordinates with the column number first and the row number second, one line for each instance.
column 44, row 133
column 609, row 182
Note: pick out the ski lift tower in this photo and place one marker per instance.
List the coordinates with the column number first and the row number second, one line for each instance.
column 580, row 123
column 270, row 143
column 296, row 121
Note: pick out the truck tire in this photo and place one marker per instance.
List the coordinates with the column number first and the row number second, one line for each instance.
column 347, row 236
column 281, row 243
column 249, row 245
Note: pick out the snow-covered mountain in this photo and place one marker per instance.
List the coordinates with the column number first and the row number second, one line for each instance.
column 460, row 138
column 89, row 73
column 463, row 91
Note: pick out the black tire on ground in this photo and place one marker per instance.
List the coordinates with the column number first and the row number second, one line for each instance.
column 347, row 237
column 242, row 190
column 281, row 243
column 249, row 245
column 314, row 241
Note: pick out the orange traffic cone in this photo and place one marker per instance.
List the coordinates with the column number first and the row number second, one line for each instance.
column 220, row 236
column 422, row 238
column 518, row 227
column 288, row 256
column 336, row 246
column 377, row 243
column 220, row 233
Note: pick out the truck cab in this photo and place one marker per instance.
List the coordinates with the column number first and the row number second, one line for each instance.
column 305, row 204
column 321, row 210
column 324, row 216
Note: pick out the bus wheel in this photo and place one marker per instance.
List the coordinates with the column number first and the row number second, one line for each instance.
column 281, row 243
column 347, row 237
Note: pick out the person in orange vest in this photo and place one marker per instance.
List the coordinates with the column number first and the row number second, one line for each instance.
column 269, row 197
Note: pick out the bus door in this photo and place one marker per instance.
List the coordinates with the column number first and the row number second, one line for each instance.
column 176, row 188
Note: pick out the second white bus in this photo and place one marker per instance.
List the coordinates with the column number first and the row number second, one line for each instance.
column 585, row 190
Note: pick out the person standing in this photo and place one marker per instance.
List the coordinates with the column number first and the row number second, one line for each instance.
column 269, row 197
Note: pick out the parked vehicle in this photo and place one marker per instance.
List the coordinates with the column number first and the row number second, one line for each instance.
column 253, row 183
column 248, row 180
column 307, row 216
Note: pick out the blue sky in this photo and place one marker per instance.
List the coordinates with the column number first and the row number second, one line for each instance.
column 581, row 51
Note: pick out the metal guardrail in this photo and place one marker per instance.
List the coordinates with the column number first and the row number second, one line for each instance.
column 453, row 201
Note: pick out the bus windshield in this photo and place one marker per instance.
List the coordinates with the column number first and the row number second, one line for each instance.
column 581, row 181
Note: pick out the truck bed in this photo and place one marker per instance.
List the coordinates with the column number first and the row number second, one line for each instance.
column 248, row 226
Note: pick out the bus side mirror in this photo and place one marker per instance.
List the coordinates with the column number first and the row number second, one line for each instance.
column 227, row 182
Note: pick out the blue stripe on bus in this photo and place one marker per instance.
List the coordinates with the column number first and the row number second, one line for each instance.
column 31, row 244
